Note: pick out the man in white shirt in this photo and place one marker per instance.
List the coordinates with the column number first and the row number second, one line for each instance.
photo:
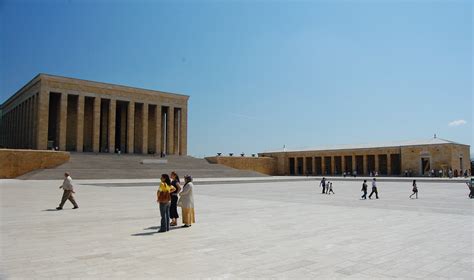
column 68, row 191
column 374, row 190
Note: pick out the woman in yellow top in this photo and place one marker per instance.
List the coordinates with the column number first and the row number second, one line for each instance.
column 164, row 199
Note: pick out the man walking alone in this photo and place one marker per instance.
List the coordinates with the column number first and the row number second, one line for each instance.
column 68, row 189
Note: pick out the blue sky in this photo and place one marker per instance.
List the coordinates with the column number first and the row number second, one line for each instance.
column 263, row 74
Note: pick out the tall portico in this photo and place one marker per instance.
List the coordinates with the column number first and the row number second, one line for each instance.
column 86, row 116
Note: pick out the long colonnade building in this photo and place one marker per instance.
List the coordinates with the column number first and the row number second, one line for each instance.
column 86, row 116
column 417, row 157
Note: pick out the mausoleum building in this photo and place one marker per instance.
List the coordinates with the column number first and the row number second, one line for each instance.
column 85, row 116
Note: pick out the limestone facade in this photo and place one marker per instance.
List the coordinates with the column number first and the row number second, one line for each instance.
column 417, row 158
column 14, row 163
column 265, row 165
column 86, row 116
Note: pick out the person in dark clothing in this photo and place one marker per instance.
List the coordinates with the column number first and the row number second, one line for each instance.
column 374, row 190
column 364, row 189
column 323, row 184
column 415, row 190
column 174, row 199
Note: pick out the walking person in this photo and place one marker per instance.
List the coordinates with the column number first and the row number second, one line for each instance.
column 374, row 189
column 329, row 187
column 68, row 191
column 164, row 199
column 323, row 184
column 415, row 190
column 186, row 202
column 470, row 185
column 174, row 198
column 364, row 189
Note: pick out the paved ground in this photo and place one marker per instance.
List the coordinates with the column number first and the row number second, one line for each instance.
column 244, row 230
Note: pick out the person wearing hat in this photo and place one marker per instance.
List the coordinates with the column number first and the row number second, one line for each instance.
column 186, row 202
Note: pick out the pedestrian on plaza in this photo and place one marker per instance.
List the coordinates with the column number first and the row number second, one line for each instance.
column 415, row 190
column 186, row 202
column 364, row 189
column 164, row 199
column 68, row 190
column 174, row 198
column 323, row 184
column 330, row 188
column 374, row 189
column 470, row 185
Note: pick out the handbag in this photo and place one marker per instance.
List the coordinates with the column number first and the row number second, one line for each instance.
column 164, row 197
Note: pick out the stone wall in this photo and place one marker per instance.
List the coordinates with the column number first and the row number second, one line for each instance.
column 14, row 163
column 265, row 165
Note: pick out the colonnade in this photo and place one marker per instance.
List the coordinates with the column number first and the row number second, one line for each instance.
column 18, row 125
column 384, row 164
column 93, row 123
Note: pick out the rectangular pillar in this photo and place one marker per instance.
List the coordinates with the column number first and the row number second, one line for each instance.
column 354, row 164
column 96, row 125
column 184, row 132
column 364, row 164
column 130, row 127
column 158, row 130
column 333, row 165
column 21, row 127
column 42, row 120
column 170, row 131
column 80, row 124
column 377, row 164
column 389, row 165
column 145, row 129
column 62, row 121
column 111, row 126
column 34, row 110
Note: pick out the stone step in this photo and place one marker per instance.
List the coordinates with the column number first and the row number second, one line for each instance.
column 113, row 166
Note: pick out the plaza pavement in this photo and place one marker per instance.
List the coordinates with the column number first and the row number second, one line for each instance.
column 268, row 229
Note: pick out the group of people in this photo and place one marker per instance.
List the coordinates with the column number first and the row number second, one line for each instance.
column 170, row 195
column 327, row 186
column 374, row 189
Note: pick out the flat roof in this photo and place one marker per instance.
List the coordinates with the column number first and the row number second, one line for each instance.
column 38, row 77
column 431, row 141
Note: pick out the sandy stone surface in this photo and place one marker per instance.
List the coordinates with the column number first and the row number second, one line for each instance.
column 254, row 230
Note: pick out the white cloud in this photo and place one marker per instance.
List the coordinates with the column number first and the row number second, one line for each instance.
column 457, row 123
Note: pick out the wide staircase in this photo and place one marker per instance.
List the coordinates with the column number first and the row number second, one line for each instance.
column 113, row 166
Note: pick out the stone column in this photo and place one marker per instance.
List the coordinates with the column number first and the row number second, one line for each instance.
column 323, row 165
column 96, row 125
column 364, row 164
column 354, row 167
column 111, row 126
column 170, row 132
column 343, row 164
column 42, row 119
column 333, row 163
column 377, row 164
column 158, row 132
column 389, row 165
column 130, row 127
column 184, row 132
column 27, row 121
column 80, row 124
column 145, row 129
column 21, row 125
column 34, row 124
column 62, row 121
